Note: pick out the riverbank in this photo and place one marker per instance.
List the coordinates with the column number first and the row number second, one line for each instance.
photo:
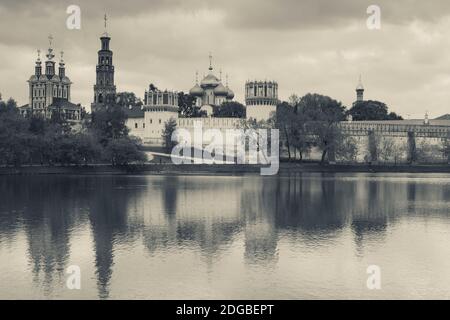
column 226, row 169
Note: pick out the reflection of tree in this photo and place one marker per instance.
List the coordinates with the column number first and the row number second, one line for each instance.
column 49, row 209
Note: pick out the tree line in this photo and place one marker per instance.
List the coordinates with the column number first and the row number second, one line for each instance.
column 35, row 140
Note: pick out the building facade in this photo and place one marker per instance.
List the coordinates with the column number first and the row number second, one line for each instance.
column 49, row 90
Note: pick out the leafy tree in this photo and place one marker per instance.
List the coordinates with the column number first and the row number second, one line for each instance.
column 125, row 150
column 231, row 109
column 252, row 124
column 187, row 107
column 347, row 148
column 9, row 106
column 322, row 115
column 127, row 99
column 372, row 110
column 385, row 148
column 169, row 127
column 109, row 123
column 14, row 137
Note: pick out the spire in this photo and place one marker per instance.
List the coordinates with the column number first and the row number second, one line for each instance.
column 220, row 75
column 360, row 85
column 105, row 23
column 210, row 62
column 38, row 68
column 61, row 61
column 196, row 77
column 62, row 72
column 226, row 82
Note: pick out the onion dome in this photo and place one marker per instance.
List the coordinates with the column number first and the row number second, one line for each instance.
column 196, row 91
column 220, row 90
column 65, row 80
column 230, row 94
column 209, row 81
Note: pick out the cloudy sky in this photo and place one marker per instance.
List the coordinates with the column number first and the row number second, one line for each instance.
column 306, row 45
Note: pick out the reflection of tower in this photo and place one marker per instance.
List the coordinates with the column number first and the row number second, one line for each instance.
column 104, row 88
column 359, row 91
column 261, row 99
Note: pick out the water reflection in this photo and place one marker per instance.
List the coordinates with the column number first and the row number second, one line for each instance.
column 207, row 215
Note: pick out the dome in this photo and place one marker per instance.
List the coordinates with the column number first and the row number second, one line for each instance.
column 230, row 94
column 210, row 81
column 220, row 90
column 33, row 78
column 196, row 91
column 55, row 78
column 65, row 79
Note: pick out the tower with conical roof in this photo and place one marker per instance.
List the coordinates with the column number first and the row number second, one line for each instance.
column 104, row 88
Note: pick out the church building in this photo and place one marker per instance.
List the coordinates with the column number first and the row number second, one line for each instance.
column 49, row 91
column 211, row 92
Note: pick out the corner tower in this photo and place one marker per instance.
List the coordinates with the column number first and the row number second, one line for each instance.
column 104, row 88
column 261, row 99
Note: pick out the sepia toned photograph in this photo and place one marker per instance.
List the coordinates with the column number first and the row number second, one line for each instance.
column 224, row 151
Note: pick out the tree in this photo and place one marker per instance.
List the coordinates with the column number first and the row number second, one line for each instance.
column 230, row 109
column 125, row 150
column 347, row 148
column 251, row 127
column 385, row 147
column 187, row 107
column 14, row 136
column 371, row 110
column 109, row 123
column 127, row 99
column 169, row 128
column 292, row 125
column 322, row 115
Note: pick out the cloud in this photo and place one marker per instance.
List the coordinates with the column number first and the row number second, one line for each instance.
column 307, row 46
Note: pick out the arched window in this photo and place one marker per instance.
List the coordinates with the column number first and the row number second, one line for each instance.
column 135, row 125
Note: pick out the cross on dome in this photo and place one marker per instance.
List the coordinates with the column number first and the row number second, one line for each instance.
column 210, row 62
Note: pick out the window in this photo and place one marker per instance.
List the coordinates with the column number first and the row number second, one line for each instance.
column 143, row 125
column 159, row 121
column 151, row 121
column 135, row 125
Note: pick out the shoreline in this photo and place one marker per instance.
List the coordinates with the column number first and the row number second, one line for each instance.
column 231, row 169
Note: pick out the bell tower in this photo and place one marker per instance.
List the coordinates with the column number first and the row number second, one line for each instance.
column 104, row 88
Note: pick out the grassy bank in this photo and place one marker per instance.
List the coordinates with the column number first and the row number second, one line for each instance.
column 285, row 168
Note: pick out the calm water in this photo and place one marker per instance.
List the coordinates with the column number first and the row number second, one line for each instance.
column 204, row 237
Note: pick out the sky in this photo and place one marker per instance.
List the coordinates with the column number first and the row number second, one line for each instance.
column 307, row 46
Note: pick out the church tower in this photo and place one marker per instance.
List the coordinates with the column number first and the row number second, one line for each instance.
column 104, row 88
